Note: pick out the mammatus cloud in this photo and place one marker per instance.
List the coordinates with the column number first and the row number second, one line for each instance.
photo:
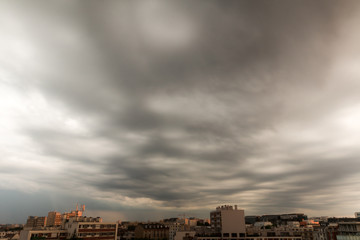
column 149, row 109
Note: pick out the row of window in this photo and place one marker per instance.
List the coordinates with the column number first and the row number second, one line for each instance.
column 160, row 234
column 233, row 235
column 95, row 234
column 155, row 226
column 97, row 226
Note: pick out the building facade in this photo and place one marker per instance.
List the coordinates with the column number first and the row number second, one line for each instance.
column 35, row 222
column 43, row 234
column 77, row 227
column 228, row 221
column 53, row 219
column 348, row 231
column 154, row 231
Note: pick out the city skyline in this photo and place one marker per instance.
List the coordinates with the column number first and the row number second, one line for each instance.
column 56, row 218
column 145, row 110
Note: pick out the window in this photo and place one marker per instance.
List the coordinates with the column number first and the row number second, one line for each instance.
column 233, row 234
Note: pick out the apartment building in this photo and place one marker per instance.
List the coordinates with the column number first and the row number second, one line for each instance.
column 85, row 228
column 35, row 222
column 348, row 231
column 229, row 221
column 177, row 224
column 53, row 219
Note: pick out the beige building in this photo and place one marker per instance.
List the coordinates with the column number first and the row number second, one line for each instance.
column 229, row 221
column 184, row 235
column 74, row 213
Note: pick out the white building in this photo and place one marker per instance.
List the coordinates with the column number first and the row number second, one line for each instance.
column 46, row 234
column 76, row 227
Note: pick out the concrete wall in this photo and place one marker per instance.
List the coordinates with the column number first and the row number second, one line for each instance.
column 233, row 221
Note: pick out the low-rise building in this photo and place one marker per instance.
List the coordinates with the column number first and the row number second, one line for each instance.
column 35, row 222
column 155, row 231
column 91, row 229
column 184, row 235
column 77, row 227
column 31, row 234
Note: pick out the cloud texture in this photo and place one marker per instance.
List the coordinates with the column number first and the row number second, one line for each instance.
column 166, row 107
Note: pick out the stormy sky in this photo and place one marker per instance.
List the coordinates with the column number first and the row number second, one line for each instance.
column 148, row 109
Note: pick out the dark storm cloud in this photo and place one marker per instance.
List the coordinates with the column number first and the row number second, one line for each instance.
column 192, row 104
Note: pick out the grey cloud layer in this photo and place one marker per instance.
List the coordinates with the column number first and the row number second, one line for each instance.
column 199, row 118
